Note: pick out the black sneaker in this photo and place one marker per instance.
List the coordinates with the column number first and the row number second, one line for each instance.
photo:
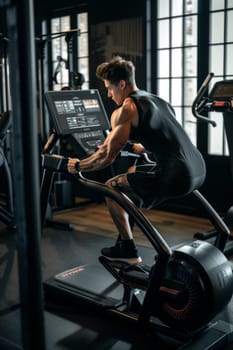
column 118, row 241
column 124, row 251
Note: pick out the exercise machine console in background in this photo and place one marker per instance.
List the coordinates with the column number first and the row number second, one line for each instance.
column 219, row 99
column 181, row 292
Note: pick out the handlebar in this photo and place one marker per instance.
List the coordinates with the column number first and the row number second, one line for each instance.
column 51, row 143
column 197, row 103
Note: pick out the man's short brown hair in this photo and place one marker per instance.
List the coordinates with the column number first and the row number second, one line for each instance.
column 117, row 69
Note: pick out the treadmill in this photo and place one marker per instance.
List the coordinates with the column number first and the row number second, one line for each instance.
column 165, row 297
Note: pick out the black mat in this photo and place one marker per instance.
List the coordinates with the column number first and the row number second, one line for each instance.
column 73, row 329
column 67, row 249
column 61, row 250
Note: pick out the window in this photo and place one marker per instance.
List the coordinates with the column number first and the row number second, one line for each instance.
column 60, row 52
column 82, row 54
column 177, row 58
column 69, row 50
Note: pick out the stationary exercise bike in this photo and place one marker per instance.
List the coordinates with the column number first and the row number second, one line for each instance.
column 184, row 289
column 220, row 100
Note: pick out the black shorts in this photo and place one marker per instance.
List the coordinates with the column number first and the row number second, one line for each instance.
column 154, row 185
column 145, row 182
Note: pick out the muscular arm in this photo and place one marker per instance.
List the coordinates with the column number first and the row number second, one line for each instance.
column 121, row 121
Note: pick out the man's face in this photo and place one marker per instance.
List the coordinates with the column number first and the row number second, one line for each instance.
column 115, row 92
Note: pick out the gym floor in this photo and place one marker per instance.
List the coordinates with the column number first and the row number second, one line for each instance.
column 78, row 327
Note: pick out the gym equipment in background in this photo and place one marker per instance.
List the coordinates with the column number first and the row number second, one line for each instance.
column 219, row 99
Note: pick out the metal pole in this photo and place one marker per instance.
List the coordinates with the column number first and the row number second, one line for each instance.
column 20, row 23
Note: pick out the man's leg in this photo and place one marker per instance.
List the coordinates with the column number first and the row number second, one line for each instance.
column 119, row 216
column 125, row 249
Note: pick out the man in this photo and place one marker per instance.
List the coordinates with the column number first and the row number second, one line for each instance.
column 150, row 122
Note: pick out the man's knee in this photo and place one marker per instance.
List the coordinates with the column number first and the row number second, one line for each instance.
column 110, row 183
column 119, row 182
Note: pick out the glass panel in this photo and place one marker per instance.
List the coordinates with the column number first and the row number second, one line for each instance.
column 217, row 5
column 215, row 138
column 179, row 59
column 61, row 24
column 190, row 90
column 176, row 92
column 178, row 112
column 190, row 37
column 59, row 52
column 177, row 32
column 84, row 69
column 163, row 89
column 177, row 62
column 62, row 79
column 216, row 59
column 163, row 34
column 163, row 63
column 177, row 7
column 190, row 6
column 82, row 54
column 163, row 8
column 59, row 49
column 216, row 22
column 190, row 61
column 230, row 3
column 59, row 45
column 190, row 125
column 229, row 60
column 83, row 45
column 229, row 26
column 82, row 22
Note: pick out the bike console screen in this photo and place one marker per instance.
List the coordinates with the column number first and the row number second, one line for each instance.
column 220, row 98
column 79, row 113
column 222, row 90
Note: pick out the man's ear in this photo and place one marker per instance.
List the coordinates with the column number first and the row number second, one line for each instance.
column 122, row 84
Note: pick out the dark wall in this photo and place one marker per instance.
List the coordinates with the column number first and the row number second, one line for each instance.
column 105, row 10
column 46, row 8
column 99, row 11
column 116, row 32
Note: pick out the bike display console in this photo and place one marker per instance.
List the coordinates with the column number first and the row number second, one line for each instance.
column 220, row 98
column 79, row 113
